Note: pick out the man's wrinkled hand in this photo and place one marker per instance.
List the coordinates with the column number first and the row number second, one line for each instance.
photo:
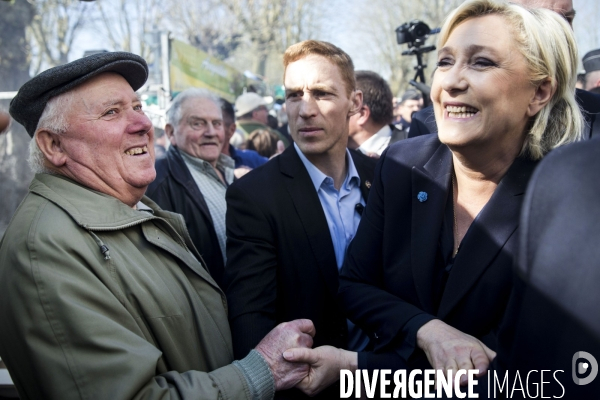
column 297, row 333
column 448, row 348
column 325, row 365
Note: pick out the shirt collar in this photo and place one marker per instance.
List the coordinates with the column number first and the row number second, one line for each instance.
column 142, row 207
column 317, row 177
column 225, row 164
column 223, row 161
column 377, row 142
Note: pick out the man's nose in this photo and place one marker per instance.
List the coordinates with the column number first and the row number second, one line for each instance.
column 308, row 106
column 139, row 123
column 210, row 130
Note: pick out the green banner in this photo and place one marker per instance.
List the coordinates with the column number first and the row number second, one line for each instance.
column 190, row 67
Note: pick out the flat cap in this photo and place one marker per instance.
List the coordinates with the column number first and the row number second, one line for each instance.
column 591, row 61
column 248, row 102
column 29, row 103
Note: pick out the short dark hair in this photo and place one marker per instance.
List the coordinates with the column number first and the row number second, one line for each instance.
column 377, row 95
column 228, row 112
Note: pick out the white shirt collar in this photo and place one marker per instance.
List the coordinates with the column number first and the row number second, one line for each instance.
column 378, row 142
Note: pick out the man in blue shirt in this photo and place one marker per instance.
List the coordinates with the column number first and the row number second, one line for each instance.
column 290, row 222
column 244, row 159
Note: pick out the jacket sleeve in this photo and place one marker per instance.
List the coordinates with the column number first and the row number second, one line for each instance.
column 251, row 272
column 362, row 292
column 66, row 335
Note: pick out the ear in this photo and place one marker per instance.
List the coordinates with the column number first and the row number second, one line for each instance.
column 229, row 131
column 170, row 132
column 49, row 144
column 232, row 129
column 356, row 97
column 363, row 115
column 543, row 94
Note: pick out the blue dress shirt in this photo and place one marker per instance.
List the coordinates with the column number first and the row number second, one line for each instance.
column 342, row 218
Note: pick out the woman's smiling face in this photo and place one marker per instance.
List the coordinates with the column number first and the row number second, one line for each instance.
column 481, row 89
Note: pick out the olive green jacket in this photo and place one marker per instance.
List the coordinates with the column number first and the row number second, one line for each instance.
column 101, row 301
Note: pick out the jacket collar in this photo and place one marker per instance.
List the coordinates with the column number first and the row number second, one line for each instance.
column 486, row 237
column 182, row 175
column 88, row 208
column 308, row 207
column 96, row 211
column 488, row 233
column 432, row 179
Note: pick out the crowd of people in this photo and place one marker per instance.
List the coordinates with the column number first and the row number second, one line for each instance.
column 248, row 261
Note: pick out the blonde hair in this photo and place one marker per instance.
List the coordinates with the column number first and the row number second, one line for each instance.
column 332, row 53
column 548, row 45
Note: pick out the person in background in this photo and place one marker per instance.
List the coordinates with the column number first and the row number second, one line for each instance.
column 102, row 293
column 410, row 103
column 245, row 160
column 591, row 64
column 371, row 129
column 194, row 176
column 580, row 81
column 552, row 315
column 264, row 142
column 252, row 113
column 161, row 142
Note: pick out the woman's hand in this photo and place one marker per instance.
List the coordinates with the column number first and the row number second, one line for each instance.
column 325, row 365
column 448, row 348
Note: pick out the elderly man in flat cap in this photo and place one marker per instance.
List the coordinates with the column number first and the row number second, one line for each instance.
column 102, row 293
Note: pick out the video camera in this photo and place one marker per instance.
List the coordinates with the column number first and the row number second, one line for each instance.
column 415, row 33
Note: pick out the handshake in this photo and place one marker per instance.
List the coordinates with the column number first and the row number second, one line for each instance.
column 293, row 363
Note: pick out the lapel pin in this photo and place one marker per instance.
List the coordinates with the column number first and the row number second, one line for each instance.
column 422, row 197
column 368, row 184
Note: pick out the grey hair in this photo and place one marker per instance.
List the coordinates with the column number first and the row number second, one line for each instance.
column 53, row 119
column 174, row 113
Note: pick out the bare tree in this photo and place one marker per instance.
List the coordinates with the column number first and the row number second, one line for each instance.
column 53, row 30
column 270, row 26
column 14, row 47
column 127, row 23
column 381, row 18
column 207, row 25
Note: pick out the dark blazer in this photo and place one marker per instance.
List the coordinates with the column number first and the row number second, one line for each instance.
column 423, row 122
column 397, row 134
column 174, row 189
column 280, row 259
column 388, row 275
column 553, row 312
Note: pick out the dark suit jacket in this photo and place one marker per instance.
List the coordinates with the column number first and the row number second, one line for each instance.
column 280, row 259
column 397, row 134
column 553, row 312
column 423, row 122
column 387, row 278
column 174, row 189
